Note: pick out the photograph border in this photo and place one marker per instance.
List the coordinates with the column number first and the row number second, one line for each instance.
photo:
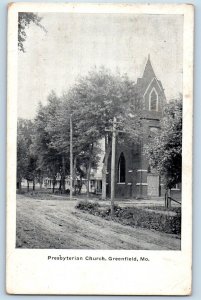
column 166, row 260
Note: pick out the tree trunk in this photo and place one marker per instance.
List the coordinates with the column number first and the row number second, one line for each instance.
column 19, row 185
column 80, row 186
column 60, row 184
column 89, row 170
column 88, row 177
column 169, row 198
column 41, row 180
column 27, row 186
column 104, row 171
column 53, row 183
column 34, row 184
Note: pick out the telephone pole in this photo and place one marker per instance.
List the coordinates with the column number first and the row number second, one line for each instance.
column 114, row 131
column 71, row 158
column 113, row 166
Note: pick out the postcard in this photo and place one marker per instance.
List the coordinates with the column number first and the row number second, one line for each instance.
column 99, row 149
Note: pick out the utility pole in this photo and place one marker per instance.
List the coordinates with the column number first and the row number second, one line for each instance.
column 71, row 158
column 114, row 133
column 113, row 166
column 64, row 173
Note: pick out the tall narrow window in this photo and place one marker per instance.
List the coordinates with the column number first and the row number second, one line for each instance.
column 153, row 101
column 122, row 168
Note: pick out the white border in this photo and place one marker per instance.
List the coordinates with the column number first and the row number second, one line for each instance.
column 28, row 270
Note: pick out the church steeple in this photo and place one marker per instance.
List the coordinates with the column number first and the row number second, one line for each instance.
column 148, row 74
column 149, row 83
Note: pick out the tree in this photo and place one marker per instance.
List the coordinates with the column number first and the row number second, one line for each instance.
column 49, row 162
column 58, row 127
column 24, row 20
column 56, row 143
column 26, row 161
column 94, row 101
column 165, row 150
column 22, row 157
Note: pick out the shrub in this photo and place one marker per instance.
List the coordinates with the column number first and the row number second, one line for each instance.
column 136, row 217
column 151, row 220
column 88, row 206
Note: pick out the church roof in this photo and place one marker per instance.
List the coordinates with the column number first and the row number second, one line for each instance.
column 148, row 74
column 147, row 77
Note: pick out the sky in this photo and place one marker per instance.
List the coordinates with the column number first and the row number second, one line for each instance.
column 75, row 43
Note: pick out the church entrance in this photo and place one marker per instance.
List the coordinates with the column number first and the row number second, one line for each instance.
column 153, row 185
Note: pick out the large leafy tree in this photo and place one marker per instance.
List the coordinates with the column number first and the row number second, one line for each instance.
column 94, row 101
column 49, row 162
column 26, row 160
column 22, row 155
column 165, row 150
column 24, row 21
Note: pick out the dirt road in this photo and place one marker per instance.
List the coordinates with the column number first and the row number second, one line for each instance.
column 57, row 224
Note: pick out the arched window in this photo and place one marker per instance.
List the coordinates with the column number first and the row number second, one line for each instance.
column 153, row 100
column 122, row 168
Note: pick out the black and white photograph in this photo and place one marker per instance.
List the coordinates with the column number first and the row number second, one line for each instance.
column 99, row 139
column 99, row 131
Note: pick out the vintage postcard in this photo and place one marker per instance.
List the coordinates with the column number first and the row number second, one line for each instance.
column 99, row 149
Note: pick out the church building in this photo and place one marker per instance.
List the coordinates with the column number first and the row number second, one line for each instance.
column 133, row 176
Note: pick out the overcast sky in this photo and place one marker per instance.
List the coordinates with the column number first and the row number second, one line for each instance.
column 75, row 43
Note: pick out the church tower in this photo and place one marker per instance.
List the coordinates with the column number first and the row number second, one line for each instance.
column 150, row 90
column 151, row 93
column 133, row 176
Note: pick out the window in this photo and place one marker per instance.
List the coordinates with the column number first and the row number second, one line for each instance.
column 122, row 168
column 153, row 100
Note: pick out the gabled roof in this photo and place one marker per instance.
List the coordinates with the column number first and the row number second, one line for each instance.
column 148, row 74
column 147, row 78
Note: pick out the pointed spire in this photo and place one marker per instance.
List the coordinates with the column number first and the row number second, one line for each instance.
column 148, row 74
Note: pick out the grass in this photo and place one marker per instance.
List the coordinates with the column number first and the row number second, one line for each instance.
column 163, row 208
column 42, row 194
